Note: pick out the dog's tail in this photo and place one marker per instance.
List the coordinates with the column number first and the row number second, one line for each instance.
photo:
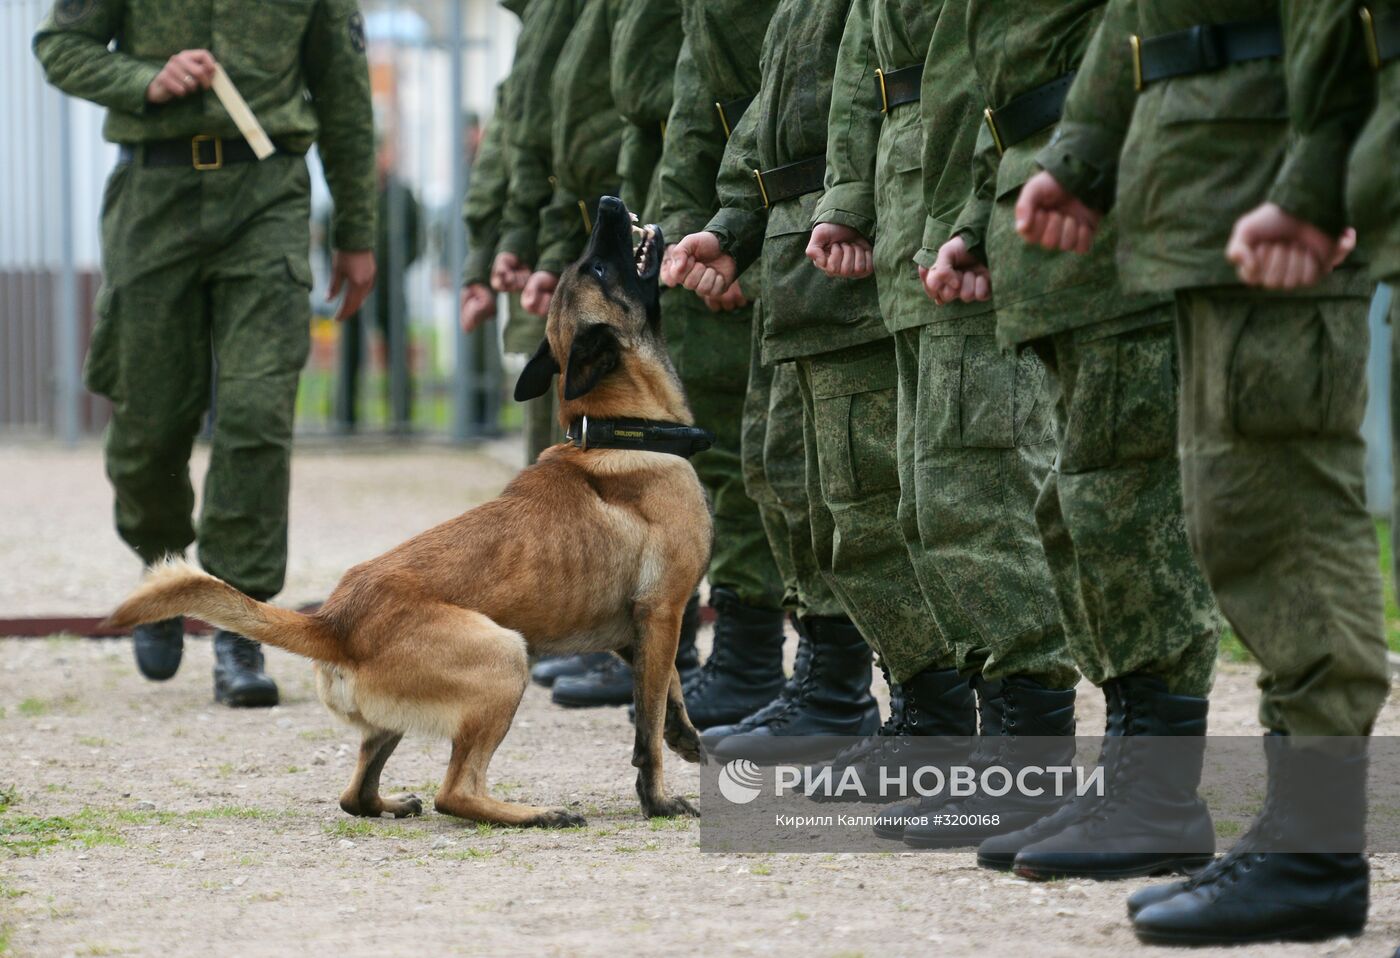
column 178, row 588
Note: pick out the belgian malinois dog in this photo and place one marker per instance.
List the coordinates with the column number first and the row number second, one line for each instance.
column 597, row 546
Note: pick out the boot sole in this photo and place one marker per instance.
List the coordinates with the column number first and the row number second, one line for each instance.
column 995, row 864
column 595, row 704
column 256, row 700
column 1305, row 932
column 1172, row 866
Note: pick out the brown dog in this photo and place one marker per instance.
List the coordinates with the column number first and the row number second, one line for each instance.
column 598, row 546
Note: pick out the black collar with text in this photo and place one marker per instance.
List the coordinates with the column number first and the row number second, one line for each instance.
column 645, row 435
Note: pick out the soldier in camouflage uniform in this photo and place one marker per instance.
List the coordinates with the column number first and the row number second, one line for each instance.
column 1139, row 617
column 831, row 330
column 974, row 439
column 482, row 211
column 709, row 349
column 205, row 251
column 1273, row 393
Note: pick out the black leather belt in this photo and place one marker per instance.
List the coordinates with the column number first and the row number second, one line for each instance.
column 1382, row 36
column 792, row 179
column 200, row 152
column 1203, row 48
column 1026, row 115
column 730, row 111
column 899, row 86
column 644, row 435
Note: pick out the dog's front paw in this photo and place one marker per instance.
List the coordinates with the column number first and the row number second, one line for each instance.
column 687, row 745
column 556, row 818
column 673, row 807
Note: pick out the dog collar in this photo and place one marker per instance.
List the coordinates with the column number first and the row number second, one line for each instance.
column 645, row 435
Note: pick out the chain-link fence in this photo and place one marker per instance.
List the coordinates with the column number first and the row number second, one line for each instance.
column 401, row 366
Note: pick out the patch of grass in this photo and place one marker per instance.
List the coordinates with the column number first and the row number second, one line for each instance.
column 1232, row 649
column 760, row 870
column 5, row 939
column 93, row 741
column 317, row 734
column 375, row 828
column 9, row 795
column 32, row 708
column 1228, row 829
column 660, row 824
column 27, row 835
column 8, row 891
column 468, row 854
column 1392, row 606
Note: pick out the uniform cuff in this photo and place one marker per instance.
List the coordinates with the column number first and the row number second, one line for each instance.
column 740, row 234
column 1310, row 185
column 351, row 236
column 848, row 204
column 1084, row 160
column 523, row 243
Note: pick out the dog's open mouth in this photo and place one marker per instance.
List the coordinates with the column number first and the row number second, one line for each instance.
column 645, row 258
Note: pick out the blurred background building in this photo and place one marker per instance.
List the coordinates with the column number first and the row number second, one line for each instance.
column 434, row 67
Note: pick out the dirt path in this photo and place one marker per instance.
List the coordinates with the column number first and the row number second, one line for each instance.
column 143, row 819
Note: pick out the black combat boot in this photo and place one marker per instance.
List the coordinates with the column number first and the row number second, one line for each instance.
column 159, row 647
column 934, row 703
column 1018, row 715
column 608, row 683
column 833, row 698
column 801, row 663
column 745, row 669
column 1318, row 888
column 239, row 679
column 1149, row 820
column 551, row 668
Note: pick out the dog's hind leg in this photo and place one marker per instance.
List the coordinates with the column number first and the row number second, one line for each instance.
column 681, row 736
column 653, row 675
column 492, row 694
column 362, row 796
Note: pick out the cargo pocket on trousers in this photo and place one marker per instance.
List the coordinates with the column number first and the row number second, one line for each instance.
column 102, row 368
column 856, row 443
column 983, row 397
column 1299, row 369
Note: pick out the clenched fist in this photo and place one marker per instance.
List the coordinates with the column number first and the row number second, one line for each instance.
column 956, row 275
column 478, row 305
column 184, row 73
column 1050, row 216
column 1276, row 250
column 509, row 273
column 840, row 251
column 698, row 264
column 539, row 292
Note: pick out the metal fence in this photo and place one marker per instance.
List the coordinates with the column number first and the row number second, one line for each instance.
column 434, row 66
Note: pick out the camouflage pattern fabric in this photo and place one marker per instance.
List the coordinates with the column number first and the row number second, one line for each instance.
column 193, row 263
column 775, row 477
column 975, row 435
column 849, row 407
column 1273, row 479
column 1373, row 188
column 280, row 53
column 1132, row 597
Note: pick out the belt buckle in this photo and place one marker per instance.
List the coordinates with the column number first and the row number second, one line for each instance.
column 991, row 117
column 198, row 163
column 763, row 190
column 884, row 94
column 723, row 120
column 1135, row 42
column 1373, row 48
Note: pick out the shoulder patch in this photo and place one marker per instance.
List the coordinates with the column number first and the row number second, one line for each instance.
column 356, row 25
column 71, row 11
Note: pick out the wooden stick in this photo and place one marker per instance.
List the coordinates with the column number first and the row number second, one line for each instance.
column 243, row 117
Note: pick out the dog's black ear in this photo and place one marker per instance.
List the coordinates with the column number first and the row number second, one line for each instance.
column 536, row 376
column 595, row 353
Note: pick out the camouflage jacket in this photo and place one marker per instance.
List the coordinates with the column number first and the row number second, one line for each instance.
column 527, row 111
column 1188, row 155
column 876, row 160
column 1015, row 51
column 805, row 312
column 585, row 134
column 718, row 62
column 486, row 198
column 646, row 43
column 300, row 66
column 1373, row 179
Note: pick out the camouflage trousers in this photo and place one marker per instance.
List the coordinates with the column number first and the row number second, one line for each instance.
column 975, row 442
column 522, row 334
column 1272, row 464
column 849, row 422
column 206, row 289
column 1131, row 596
column 711, row 355
column 775, row 476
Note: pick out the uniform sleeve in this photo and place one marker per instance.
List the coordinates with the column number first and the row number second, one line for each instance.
column 72, row 46
column 742, row 217
column 562, row 232
column 485, row 200
column 337, row 77
column 1083, row 152
column 692, row 153
column 1329, row 94
column 976, row 214
column 853, row 129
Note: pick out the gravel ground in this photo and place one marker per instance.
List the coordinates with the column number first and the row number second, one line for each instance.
column 143, row 819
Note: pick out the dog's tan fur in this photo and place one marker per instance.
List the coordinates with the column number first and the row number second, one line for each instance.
column 584, row 551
